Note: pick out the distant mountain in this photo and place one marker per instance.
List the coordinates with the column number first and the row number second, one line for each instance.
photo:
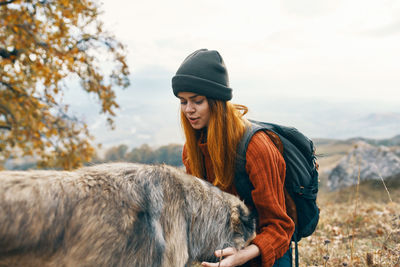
column 383, row 118
column 329, row 141
column 149, row 113
column 394, row 141
column 370, row 126
column 367, row 161
column 376, row 125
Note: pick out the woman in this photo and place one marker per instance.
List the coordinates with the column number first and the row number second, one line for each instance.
column 213, row 127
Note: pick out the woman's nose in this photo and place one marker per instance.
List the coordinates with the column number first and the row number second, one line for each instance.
column 189, row 107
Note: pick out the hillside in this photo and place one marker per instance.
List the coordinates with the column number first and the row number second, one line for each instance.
column 365, row 162
column 356, row 228
column 331, row 151
column 360, row 224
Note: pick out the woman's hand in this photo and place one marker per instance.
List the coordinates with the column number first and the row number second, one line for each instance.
column 233, row 257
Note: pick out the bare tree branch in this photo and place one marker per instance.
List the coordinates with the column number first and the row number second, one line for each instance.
column 6, row 113
column 4, row 53
column 11, row 87
column 5, row 127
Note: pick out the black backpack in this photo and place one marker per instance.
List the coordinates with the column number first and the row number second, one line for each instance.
column 301, row 180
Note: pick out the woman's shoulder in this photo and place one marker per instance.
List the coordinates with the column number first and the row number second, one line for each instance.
column 265, row 143
column 261, row 138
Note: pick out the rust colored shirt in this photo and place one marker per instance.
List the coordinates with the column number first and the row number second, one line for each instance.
column 266, row 169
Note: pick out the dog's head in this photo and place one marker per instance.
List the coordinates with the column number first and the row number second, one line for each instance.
column 236, row 230
column 223, row 220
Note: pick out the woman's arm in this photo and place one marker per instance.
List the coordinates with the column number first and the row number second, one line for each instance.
column 266, row 169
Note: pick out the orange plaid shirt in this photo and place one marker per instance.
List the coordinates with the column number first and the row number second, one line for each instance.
column 266, row 169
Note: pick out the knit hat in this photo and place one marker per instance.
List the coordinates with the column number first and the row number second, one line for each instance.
column 203, row 72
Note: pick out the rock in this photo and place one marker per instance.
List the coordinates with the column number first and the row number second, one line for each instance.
column 371, row 162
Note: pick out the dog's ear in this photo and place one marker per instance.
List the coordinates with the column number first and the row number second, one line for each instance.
column 248, row 221
column 247, row 218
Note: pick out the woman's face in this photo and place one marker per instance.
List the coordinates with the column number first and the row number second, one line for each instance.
column 196, row 109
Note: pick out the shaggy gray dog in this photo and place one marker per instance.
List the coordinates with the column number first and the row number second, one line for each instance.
column 119, row 214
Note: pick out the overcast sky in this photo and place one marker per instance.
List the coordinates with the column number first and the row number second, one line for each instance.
column 313, row 52
column 308, row 47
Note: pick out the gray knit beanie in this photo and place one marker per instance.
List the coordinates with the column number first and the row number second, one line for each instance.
column 203, row 72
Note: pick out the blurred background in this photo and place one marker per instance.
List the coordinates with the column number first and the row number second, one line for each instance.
column 85, row 82
column 329, row 68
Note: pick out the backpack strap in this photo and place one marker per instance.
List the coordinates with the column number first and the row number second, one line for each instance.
column 243, row 144
column 242, row 182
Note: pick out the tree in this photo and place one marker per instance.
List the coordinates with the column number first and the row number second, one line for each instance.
column 142, row 154
column 170, row 154
column 116, row 153
column 43, row 44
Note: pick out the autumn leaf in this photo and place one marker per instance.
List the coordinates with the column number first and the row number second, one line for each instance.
column 42, row 43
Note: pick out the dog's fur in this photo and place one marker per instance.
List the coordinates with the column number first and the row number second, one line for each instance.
column 119, row 214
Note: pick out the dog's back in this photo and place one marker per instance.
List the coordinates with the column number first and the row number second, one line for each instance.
column 103, row 215
column 106, row 215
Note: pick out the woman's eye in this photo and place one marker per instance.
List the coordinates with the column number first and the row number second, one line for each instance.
column 183, row 102
column 199, row 102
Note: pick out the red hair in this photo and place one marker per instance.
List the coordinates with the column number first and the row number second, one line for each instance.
column 225, row 129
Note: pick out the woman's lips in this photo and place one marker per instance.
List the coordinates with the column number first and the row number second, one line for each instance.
column 193, row 120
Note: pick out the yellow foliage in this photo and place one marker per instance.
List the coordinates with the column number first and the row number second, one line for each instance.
column 41, row 43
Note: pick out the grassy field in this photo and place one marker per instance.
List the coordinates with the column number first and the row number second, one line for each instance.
column 358, row 227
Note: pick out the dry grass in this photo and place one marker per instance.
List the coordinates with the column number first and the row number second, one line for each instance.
column 354, row 231
column 359, row 225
